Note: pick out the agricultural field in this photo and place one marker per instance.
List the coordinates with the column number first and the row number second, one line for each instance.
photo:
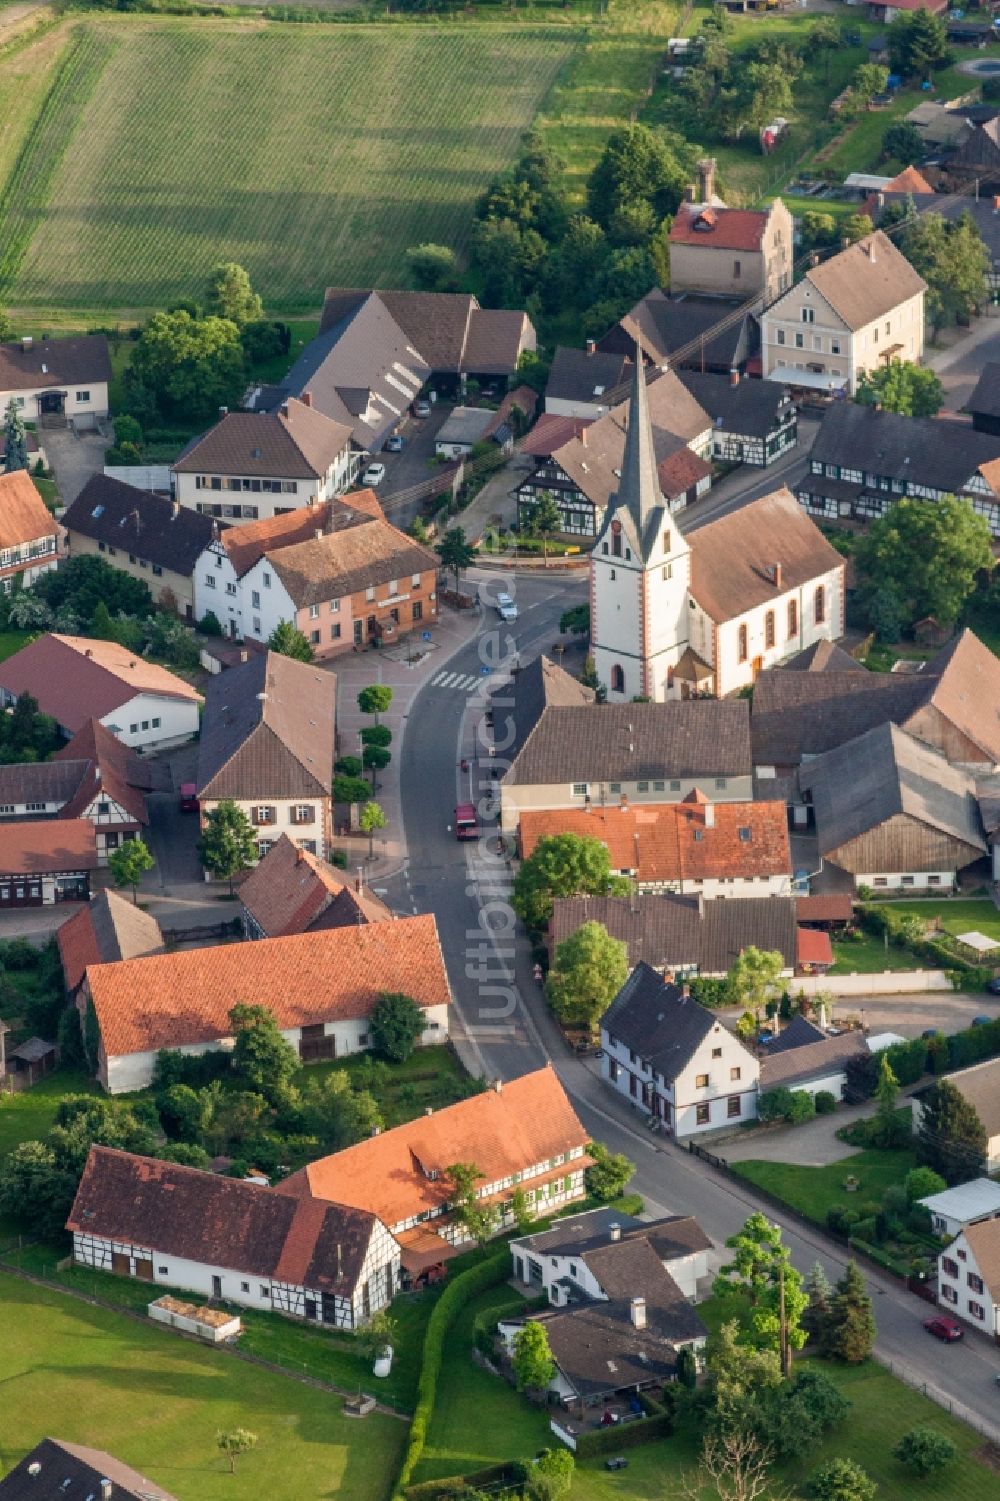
column 309, row 154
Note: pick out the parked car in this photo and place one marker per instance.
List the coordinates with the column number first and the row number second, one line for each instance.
column 394, row 444
column 506, row 608
column 189, row 797
column 373, row 475
column 981, row 1021
column 617, row 1462
column 993, row 986
column 421, row 408
column 942, row 1327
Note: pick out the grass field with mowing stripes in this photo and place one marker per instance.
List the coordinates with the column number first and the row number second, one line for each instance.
column 309, row 154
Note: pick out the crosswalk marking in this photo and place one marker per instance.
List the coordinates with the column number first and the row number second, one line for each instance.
column 463, row 682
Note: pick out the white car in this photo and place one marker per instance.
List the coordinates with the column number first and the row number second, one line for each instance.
column 506, row 608
column 373, row 475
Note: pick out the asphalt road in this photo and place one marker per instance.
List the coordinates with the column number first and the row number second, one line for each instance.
column 502, row 1027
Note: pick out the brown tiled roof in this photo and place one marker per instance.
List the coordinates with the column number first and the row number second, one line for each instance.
column 813, row 946
column 528, row 1122
column 109, row 928
column 795, row 1065
column 54, row 362
column 732, row 558
column 495, row 340
column 517, row 705
column 679, row 471
column 41, row 781
column 551, row 432
column 344, row 561
column 295, row 442
column 866, row 281
column 268, row 731
column 665, row 842
column 170, row 1000
column 48, row 845
column 910, row 180
column 292, row 891
column 111, row 767
column 719, row 228
column 436, row 323
column 966, row 690
column 449, row 329
column 220, row 1222
column 55, row 1467
column 75, row 679
column 629, row 742
column 984, row 1243
column 676, row 931
column 24, row 516
column 830, row 907
column 980, row 1085
column 152, row 527
column 245, row 545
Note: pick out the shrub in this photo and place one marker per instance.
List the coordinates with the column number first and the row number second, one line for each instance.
column 775, row 1105
column 709, row 991
column 802, row 1107
column 840, row 1220
column 825, row 1102
column 840, row 1480
column 925, row 1451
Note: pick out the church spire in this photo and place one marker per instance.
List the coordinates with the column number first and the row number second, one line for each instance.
column 639, row 487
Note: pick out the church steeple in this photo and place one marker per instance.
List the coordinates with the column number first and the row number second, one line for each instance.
column 639, row 487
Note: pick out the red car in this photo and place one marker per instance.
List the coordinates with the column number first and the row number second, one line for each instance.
column 189, row 797
column 944, row 1328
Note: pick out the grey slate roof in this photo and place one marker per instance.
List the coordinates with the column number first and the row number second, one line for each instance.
column 927, row 450
column 72, row 1472
column 518, row 705
column 753, row 408
column 150, row 526
column 678, row 931
column 598, row 1350
column 626, row 742
column 800, row 714
column 985, row 399
column 823, row 656
column 858, row 786
column 579, row 1234
column 811, row 1060
column 41, row 781
column 451, row 331
column 665, row 326
column 656, row 1020
column 576, row 375
column 54, row 362
column 799, row 1033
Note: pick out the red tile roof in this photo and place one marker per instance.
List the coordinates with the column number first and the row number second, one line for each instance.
column 24, row 516
column 551, row 432
column 680, row 470
column 292, row 891
column 246, row 545
column 813, row 946
column 171, row 1000
column 528, row 1122
column 44, row 846
column 667, row 842
column 108, row 928
column 113, row 769
column 724, row 228
column 76, row 679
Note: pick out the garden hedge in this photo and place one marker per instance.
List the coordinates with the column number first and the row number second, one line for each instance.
column 623, row 1436
column 489, row 1273
column 460, row 1485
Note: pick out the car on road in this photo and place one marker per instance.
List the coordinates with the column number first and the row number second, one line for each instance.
column 506, row 608
column 981, row 1021
column 394, row 444
column 421, row 408
column 189, row 797
column 373, row 475
column 993, row 986
column 942, row 1327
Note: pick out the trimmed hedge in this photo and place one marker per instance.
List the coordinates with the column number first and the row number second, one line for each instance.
column 489, row 1273
column 623, row 1436
column 459, row 1485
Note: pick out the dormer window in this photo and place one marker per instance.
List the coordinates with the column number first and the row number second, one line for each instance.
column 432, row 1174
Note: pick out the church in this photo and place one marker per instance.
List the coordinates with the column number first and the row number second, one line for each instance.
column 681, row 616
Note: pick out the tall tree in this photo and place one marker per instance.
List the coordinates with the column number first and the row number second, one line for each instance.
column 545, row 518
column 820, row 1295
column 953, row 259
column 230, row 295
column 951, row 1138
column 375, row 699
column 370, row 819
column 925, row 557
column 753, row 978
column 918, row 43
column 739, row 1377
column 455, row 552
column 639, row 163
column 588, row 970
column 609, row 1173
column 228, row 843
column 849, row 1331
column 396, row 1025
column 289, row 641
column 432, row 268
column 261, row 1057
column 15, row 439
column 911, row 390
column 761, row 1268
column 479, row 1218
column 559, row 865
column 532, row 1360
column 129, row 863
column 191, row 365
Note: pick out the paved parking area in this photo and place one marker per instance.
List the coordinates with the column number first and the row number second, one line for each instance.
column 411, row 467
column 73, row 458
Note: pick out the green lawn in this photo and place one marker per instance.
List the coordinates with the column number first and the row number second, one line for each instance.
column 30, row 1114
column 813, row 1190
column 429, row 1079
column 868, row 955
column 958, row 915
column 157, row 1402
column 12, row 641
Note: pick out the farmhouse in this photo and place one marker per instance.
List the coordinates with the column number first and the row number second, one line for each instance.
column 520, row 1135
column 57, row 381
column 153, row 539
column 229, row 1239
column 268, row 743
column 675, row 615
column 29, row 537
column 253, row 465
column 111, row 786
column 578, row 756
column 54, row 1467
column 674, row 1059
column 730, row 252
column 857, row 311
column 75, row 679
column 107, row 929
column 684, row 935
column 620, row 1293
column 863, row 461
column 892, row 812
column 753, row 421
column 582, row 475
column 322, row 988
column 292, row 891
column 46, row 862
column 693, row 847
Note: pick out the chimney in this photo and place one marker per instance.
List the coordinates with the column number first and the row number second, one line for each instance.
column 300, row 855
column 318, row 532
column 359, row 882
column 376, row 1131
column 615, row 1231
column 106, row 1490
column 175, row 510
column 428, row 1109
column 88, row 652
column 306, row 398
column 223, row 411
column 706, row 178
column 845, row 243
column 244, row 656
column 498, row 1086
column 638, row 1312
column 734, row 376
column 97, row 772
column 34, row 1468
column 710, row 815
column 776, row 573
column 284, row 409
column 814, row 259
column 870, row 250
column 591, row 346
column 215, row 531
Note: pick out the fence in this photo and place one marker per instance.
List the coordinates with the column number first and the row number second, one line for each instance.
column 988, row 1431
column 889, row 982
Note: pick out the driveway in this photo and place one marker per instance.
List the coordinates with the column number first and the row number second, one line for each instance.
column 403, row 471
column 73, row 458
column 960, row 364
column 813, row 1144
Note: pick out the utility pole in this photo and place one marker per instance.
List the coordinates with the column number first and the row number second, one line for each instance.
column 785, row 1349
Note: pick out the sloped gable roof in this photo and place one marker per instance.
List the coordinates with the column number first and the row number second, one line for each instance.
column 295, row 442
column 44, row 363
column 76, row 678
column 293, row 891
column 24, row 516
column 54, row 1467
column 107, row 929
column 154, row 528
column 348, row 559
column 867, row 280
column 655, row 1019
column 112, row 768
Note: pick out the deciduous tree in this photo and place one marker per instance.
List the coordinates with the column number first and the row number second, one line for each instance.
column 191, row 365
column 370, row 819
column 289, row 641
column 480, row 1219
column 609, row 1173
column 129, row 863
column 261, row 1056
column 840, row 1480
column 761, row 1268
column 228, row 843
column 588, row 970
column 925, row 1451
column 753, row 978
column 432, row 268
column 532, row 1358
column 559, row 865
column 395, row 1026
column 911, row 390
column 230, row 295
column 926, row 557
column 235, row 1442
column 544, row 519
column 375, row 699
